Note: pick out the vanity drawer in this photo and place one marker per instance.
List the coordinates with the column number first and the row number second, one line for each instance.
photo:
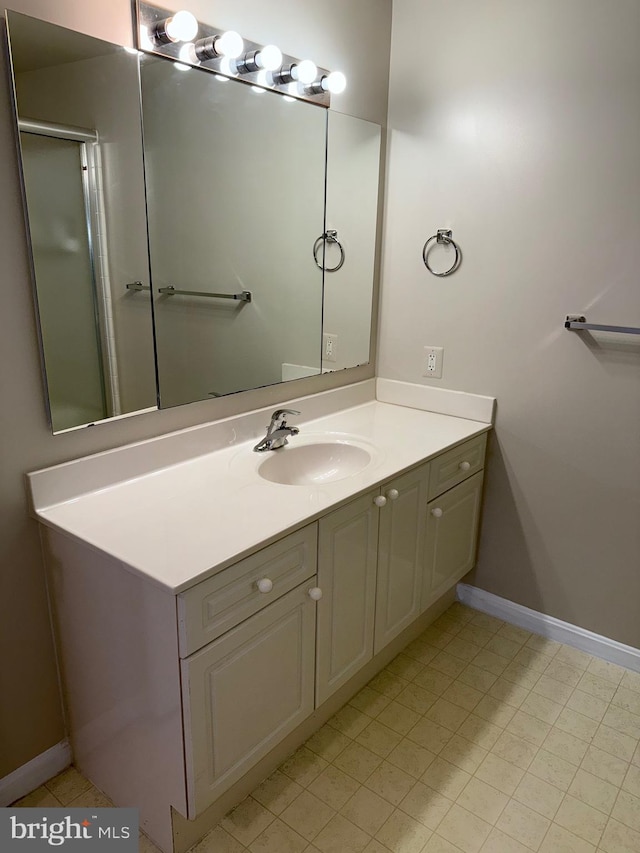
column 218, row 604
column 456, row 465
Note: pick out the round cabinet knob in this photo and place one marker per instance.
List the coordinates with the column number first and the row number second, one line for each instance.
column 393, row 494
column 380, row 500
column 464, row 466
column 437, row 512
column 265, row 585
column 315, row 593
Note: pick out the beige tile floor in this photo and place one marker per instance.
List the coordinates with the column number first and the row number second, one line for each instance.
column 479, row 738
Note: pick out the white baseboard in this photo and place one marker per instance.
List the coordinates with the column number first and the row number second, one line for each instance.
column 548, row 626
column 35, row 773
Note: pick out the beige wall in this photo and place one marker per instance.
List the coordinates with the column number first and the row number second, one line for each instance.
column 517, row 124
column 337, row 33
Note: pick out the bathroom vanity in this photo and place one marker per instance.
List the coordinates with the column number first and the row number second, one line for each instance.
column 210, row 619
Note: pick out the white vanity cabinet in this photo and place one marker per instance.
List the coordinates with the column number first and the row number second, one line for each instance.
column 452, row 533
column 388, row 555
column 400, row 554
column 246, row 691
column 370, row 569
column 248, row 634
column 347, row 559
column 453, row 517
column 252, row 684
column 191, row 667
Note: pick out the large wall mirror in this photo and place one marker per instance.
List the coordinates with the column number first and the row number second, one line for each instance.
column 203, row 239
column 235, row 182
column 78, row 107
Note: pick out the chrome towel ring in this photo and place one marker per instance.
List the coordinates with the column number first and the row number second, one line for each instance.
column 328, row 237
column 444, row 238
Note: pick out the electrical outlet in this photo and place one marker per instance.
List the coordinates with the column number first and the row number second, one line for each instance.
column 433, row 358
column 329, row 347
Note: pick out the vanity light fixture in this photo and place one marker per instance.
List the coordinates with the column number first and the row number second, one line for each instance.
column 227, row 67
column 335, row 83
column 181, row 37
column 182, row 26
column 267, row 58
column 263, row 82
column 229, row 44
column 304, row 72
column 264, row 79
column 187, row 54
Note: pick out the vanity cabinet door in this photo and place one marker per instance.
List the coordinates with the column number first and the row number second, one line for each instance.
column 452, row 533
column 245, row 691
column 400, row 554
column 347, row 556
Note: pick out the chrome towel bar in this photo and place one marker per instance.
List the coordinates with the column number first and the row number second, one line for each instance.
column 244, row 296
column 576, row 322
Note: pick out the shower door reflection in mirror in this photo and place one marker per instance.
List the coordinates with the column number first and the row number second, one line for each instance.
column 58, row 196
column 78, row 110
column 235, row 187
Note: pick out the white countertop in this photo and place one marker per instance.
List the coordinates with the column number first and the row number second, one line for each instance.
column 183, row 522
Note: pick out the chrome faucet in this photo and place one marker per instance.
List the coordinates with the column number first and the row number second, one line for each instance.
column 277, row 432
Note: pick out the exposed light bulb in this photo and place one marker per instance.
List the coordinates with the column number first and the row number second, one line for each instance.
column 145, row 40
column 335, row 82
column 228, row 66
column 230, row 44
column 264, row 78
column 183, row 26
column 227, row 47
column 188, row 53
column 269, row 57
column 305, row 72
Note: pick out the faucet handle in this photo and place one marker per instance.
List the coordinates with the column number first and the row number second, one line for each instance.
column 280, row 412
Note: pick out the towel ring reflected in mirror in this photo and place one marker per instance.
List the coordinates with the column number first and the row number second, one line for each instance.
column 443, row 237
column 328, row 237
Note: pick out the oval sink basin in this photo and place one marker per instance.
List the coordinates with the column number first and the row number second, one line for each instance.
column 314, row 464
